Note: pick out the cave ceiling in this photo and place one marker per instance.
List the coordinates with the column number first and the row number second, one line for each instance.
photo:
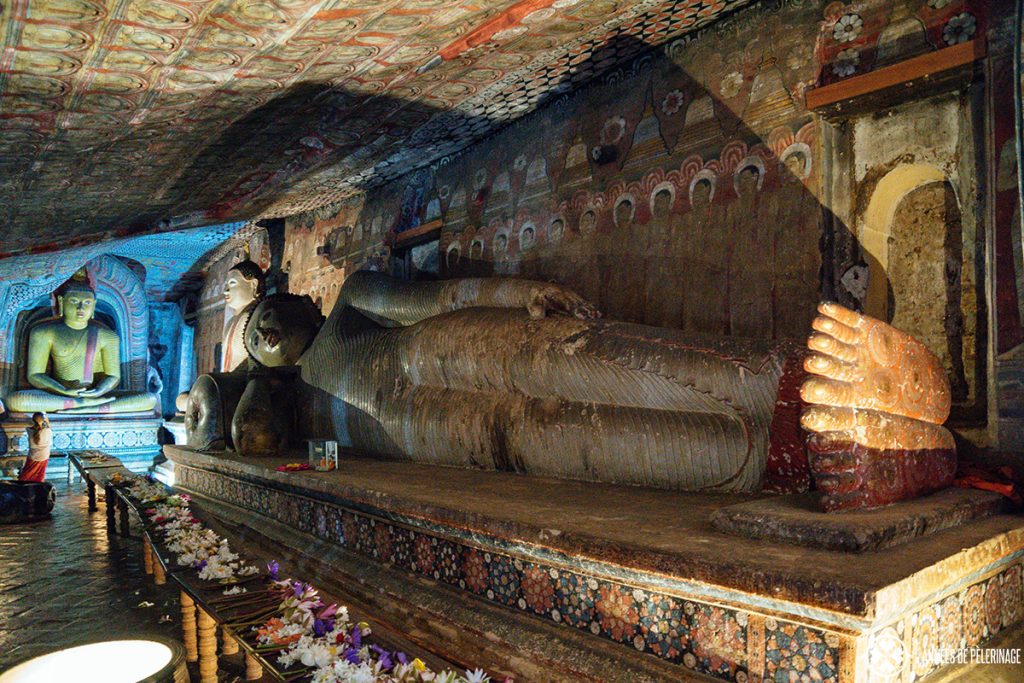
column 129, row 116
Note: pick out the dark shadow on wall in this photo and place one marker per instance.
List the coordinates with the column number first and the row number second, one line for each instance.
column 709, row 241
column 718, row 255
column 745, row 250
column 312, row 126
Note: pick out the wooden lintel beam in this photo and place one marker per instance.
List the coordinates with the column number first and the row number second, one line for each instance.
column 419, row 231
column 917, row 68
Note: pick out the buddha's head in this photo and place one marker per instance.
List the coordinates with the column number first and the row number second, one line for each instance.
column 701, row 194
column 747, row 183
column 796, row 167
column 281, row 328
column 662, row 204
column 76, row 302
column 623, row 216
column 588, row 223
column 245, row 284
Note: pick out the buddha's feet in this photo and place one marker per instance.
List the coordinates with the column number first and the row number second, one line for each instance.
column 876, row 400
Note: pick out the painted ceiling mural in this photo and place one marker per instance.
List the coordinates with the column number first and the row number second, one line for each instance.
column 129, row 115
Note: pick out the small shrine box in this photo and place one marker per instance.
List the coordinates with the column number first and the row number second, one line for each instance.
column 323, row 454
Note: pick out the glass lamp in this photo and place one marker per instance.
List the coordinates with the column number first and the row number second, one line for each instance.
column 323, row 454
column 153, row 660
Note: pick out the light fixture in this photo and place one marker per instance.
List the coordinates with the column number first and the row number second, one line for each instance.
column 153, row 660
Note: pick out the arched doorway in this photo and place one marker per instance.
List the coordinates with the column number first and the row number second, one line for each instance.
column 925, row 252
column 913, row 239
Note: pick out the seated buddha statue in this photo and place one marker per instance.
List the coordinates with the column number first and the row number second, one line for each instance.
column 74, row 362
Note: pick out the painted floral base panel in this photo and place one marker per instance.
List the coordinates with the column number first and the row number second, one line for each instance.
column 728, row 643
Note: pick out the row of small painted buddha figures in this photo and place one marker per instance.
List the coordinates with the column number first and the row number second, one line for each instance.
column 521, row 375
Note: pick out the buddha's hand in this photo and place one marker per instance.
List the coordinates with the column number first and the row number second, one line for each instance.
column 91, row 393
column 553, row 298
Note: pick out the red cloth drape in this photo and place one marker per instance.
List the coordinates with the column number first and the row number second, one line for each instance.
column 989, row 478
column 33, row 470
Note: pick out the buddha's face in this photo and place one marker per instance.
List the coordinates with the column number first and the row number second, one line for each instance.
column 748, row 181
column 280, row 330
column 528, row 238
column 624, row 214
column 795, row 165
column 238, row 292
column 77, row 307
column 702, row 195
column 557, row 228
column 588, row 222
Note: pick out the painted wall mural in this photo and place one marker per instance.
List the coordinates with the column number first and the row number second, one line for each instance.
column 320, row 237
column 858, row 37
column 688, row 188
column 1009, row 266
column 649, row 192
column 225, row 109
column 681, row 190
column 240, row 110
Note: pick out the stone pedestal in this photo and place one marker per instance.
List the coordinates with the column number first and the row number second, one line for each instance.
column 176, row 428
column 641, row 576
column 798, row 518
column 130, row 437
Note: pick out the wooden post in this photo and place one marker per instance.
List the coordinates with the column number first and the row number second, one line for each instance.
column 111, row 502
column 207, row 647
column 147, row 555
column 253, row 669
column 188, row 627
column 229, row 646
column 90, row 487
column 159, row 577
column 122, row 507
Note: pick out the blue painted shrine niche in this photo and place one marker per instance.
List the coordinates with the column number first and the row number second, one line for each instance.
column 121, row 304
column 170, row 339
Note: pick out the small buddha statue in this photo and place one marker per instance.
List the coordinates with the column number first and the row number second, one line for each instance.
column 74, row 362
column 243, row 289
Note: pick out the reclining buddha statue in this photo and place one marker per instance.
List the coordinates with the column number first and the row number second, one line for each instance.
column 476, row 373
column 74, row 362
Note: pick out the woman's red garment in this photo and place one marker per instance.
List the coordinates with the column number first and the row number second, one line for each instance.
column 33, row 470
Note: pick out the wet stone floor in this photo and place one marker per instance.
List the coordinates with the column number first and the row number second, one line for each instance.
column 65, row 582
